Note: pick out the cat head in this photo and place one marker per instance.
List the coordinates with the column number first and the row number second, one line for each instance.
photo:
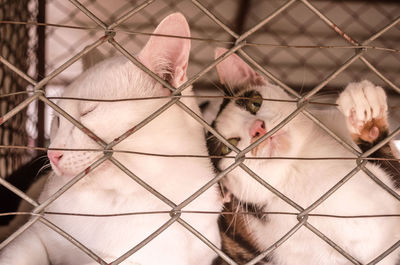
column 118, row 78
column 243, row 121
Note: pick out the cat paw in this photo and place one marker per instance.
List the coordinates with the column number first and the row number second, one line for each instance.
column 365, row 108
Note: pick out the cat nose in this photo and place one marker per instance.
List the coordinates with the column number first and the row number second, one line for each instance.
column 257, row 129
column 54, row 156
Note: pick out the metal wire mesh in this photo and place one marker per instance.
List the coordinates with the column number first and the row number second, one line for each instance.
column 243, row 38
column 15, row 46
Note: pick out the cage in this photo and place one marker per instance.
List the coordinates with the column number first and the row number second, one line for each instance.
column 311, row 48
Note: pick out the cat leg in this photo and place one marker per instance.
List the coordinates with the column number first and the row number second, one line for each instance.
column 27, row 249
column 365, row 108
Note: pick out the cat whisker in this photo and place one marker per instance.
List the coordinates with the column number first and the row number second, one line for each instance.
column 236, row 216
column 44, row 156
column 232, row 223
column 247, row 216
column 209, row 137
column 43, row 168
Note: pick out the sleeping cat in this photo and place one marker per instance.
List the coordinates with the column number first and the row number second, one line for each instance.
column 244, row 121
column 108, row 190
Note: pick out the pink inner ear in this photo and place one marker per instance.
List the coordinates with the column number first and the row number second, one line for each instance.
column 233, row 71
column 167, row 56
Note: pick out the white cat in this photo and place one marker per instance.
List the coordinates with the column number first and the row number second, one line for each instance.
column 108, row 190
column 304, row 181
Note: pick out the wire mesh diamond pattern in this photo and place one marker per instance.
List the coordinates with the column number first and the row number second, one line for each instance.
column 273, row 56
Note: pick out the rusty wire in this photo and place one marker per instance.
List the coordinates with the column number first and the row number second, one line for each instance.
column 33, row 23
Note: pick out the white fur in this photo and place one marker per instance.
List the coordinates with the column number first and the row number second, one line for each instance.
column 306, row 181
column 108, row 190
column 362, row 102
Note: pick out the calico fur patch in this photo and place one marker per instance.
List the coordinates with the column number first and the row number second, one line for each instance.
column 236, row 237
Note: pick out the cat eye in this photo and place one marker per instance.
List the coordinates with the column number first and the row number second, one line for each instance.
column 225, row 149
column 253, row 103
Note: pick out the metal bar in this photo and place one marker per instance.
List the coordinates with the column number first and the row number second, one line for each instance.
column 378, row 73
column 332, row 190
column 265, row 21
column 331, row 243
column 17, row 71
column 206, row 241
column 209, row 67
column 19, row 107
column 71, row 239
column 129, row 14
column 384, row 254
column 316, row 89
column 293, row 230
column 193, row 79
column 141, row 182
column 71, row 119
column 349, row 39
column 208, row 127
column 140, row 65
column 20, row 230
column 18, row 192
column 334, row 74
column 175, row 92
column 108, row 151
column 207, row 185
column 196, row 77
column 270, row 188
column 240, row 158
column 273, row 130
column 267, row 74
column 331, row 133
column 215, row 19
column 380, row 183
column 69, row 62
column 89, row 14
column 143, row 123
column 382, row 31
column 382, row 143
column 330, row 23
column 69, row 184
column 145, row 241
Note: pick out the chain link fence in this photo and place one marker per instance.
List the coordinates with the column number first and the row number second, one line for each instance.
column 17, row 46
column 306, row 47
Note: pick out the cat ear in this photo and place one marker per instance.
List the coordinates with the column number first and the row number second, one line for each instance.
column 92, row 58
column 234, row 72
column 168, row 57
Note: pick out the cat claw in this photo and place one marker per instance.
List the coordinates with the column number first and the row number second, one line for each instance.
column 365, row 108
